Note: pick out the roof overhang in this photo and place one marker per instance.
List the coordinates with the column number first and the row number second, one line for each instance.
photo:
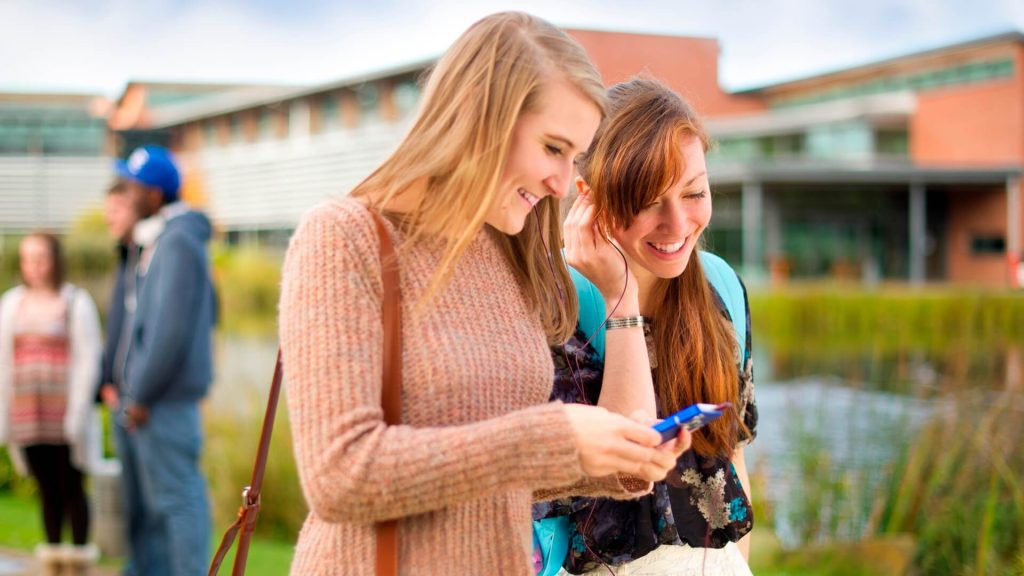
column 882, row 110
column 256, row 97
column 810, row 172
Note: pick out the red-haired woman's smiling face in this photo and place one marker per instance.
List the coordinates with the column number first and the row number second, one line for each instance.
column 664, row 234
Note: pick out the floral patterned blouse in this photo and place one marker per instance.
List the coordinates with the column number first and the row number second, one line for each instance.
column 700, row 503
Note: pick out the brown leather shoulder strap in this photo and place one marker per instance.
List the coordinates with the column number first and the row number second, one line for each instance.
column 391, row 390
column 391, row 385
column 250, row 509
column 391, row 401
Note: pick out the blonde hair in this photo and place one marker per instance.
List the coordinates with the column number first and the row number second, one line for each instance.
column 460, row 139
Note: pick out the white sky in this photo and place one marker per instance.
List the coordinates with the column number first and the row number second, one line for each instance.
column 96, row 46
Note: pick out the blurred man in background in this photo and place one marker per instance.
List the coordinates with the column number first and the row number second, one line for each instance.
column 167, row 369
column 121, row 218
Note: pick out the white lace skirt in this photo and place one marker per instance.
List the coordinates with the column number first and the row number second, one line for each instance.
column 681, row 561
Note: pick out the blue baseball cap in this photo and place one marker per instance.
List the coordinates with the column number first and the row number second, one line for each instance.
column 153, row 166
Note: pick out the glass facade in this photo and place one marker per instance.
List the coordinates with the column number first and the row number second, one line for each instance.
column 50, row 131
column 406, row 96
column 210, row 133
column 832, row 141
column 368, row 96
column 266, row 124
column 841, row 231
column 328, row 112
column 969, row 73
column 840, row 140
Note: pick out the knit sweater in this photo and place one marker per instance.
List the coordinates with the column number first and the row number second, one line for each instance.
column 478, row 436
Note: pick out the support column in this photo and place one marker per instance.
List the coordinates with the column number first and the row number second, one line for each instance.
column 1013, row 229
column 772, row 227
column 775, row 260
column 918, row 233
column 752, row 202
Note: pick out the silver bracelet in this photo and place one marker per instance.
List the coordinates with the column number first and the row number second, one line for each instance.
column 627, row 322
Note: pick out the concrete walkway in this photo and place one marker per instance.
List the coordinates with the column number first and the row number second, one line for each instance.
column 21, row 563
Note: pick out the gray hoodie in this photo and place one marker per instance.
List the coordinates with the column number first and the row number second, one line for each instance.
column 169, row 358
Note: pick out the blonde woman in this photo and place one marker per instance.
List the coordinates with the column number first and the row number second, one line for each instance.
column 471, row 197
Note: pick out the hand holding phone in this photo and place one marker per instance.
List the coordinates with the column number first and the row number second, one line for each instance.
column 690, row 418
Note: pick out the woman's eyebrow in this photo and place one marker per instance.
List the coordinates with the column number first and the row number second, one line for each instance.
column 693, row 180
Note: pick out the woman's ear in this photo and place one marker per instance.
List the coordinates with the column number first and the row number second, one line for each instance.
column 581, row 186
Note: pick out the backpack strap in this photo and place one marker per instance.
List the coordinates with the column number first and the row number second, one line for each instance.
column 725, row 281
column 718, row 272
column 591, row 315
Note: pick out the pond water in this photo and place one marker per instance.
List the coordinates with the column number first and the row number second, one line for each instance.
column 831, row 423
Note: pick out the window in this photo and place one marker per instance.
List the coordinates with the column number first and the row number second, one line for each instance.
column 987, row 244
column 922, row 80
column 782, row 146
column 406, row 95
column 266, row 124
column 328, row 112
column 368, row 97
column 10, row 137
column 235, row 122
column 209, row 133
column 735, row 149
column 892, row 143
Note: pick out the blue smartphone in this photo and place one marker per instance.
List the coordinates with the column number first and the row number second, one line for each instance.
column 691, row 418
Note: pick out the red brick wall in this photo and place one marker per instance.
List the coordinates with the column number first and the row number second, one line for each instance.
column 978, row 125
column 976, row 211
column 688, row 65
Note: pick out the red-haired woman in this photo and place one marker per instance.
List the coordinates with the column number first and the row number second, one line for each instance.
column 634, row 233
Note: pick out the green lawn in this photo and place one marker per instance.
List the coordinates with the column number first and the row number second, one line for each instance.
column 21, row 528
column 22, row 524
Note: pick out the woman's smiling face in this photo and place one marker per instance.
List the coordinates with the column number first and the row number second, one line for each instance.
column 664, row 234
column 540, row 159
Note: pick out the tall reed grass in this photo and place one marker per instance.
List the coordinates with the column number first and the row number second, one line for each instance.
column 843, row 319
column 959, row 487
column 228, row 460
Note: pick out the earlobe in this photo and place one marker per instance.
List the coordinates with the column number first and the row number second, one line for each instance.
column 581, row 186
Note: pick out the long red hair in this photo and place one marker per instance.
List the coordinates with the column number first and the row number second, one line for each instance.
column 634, row 158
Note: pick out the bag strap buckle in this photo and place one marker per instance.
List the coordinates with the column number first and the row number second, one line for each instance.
column 247, row 501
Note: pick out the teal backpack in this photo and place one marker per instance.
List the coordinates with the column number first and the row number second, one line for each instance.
column 552, row 535
column 718, row 272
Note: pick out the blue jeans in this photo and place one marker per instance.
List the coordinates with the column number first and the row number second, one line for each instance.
column 165, row 492
column 134, row 513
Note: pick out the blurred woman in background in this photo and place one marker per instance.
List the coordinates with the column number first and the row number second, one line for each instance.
column 50, row 346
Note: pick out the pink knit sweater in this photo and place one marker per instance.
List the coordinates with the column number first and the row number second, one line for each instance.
column 478, row 436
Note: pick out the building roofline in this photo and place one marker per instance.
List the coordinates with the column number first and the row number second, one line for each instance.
column 14, row 96
column 215, row 104
column 191, row 85
column 218, row 108
column 237, row 101
column 876, row 108
column 356, row 79
column 1007, row 36
column 873, row 172
column 572, row 29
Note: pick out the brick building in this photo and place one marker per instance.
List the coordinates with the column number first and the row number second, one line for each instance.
column 905, row 169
